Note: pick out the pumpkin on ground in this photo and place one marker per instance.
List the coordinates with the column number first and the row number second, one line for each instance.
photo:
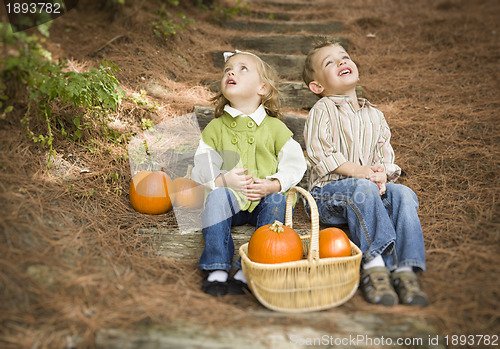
column 188, row 193
column 275, row 243
column 333, row 242
column 149, row 192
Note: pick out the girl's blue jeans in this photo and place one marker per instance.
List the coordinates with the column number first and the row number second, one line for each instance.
column 386, row 225
column 221, row 212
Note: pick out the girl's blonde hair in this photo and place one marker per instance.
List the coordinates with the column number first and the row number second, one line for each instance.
column 271, row 101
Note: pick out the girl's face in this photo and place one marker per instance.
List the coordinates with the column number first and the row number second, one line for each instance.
column 335, row 72
column 241, row 83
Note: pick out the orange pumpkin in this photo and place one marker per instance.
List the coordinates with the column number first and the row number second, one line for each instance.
column 275, row 243
column 148, row 192
column 188, row 193
column 333, row 242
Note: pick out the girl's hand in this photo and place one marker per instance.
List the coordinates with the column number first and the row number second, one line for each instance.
column 234, row 179
column 379, row 178
column 261, row 188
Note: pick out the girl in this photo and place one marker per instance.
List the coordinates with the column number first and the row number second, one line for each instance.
column 248, row 159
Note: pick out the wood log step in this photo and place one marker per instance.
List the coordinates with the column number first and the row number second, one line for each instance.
column 287, row 66
column 284, row 44
column 278, row 16
column 189, row 245
column 285, row 27
column 285, row 6
column 362, row 328
column 296, row 95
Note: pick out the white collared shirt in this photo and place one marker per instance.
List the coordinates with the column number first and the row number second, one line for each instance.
column 257, row 116
column 291, row 161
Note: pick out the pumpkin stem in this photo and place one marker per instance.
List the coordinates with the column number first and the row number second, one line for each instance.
column 277, row 227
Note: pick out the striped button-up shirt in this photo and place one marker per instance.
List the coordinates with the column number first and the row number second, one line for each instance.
column 335, row 133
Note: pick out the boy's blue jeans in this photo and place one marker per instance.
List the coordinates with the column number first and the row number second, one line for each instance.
column 221, row 212
column 386, row 225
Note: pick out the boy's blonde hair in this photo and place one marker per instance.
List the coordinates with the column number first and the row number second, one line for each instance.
column 308, row 72
column 271, row 101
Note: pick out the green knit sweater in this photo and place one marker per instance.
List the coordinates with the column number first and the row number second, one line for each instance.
column 241, row 143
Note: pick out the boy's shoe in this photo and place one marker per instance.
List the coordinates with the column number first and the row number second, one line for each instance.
column 214, row 288
column 408, row 289
column 376, row 286
column 237, row 287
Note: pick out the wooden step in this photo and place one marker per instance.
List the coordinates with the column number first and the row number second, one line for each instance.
column 314, row 329
column 332, row 328
column 293, row 94
column 296, row 95
column 285, row 27
column 189, row 244
column 287, row 66
column 284, row 44
column 285, row 6
column 270, row 15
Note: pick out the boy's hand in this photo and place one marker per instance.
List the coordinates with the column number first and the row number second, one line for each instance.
column 261, row 188
column 350, row 169
column 376, row 173
column 379, row 178
column 234, row 179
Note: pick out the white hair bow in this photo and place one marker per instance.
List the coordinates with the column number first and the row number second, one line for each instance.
column 228, row 55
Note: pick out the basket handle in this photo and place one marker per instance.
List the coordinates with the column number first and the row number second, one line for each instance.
column 314, row 244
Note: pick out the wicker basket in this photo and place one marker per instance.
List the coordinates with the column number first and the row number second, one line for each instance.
column 306, row 285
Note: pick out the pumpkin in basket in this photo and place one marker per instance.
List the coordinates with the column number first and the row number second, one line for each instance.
column 275, row 243
column 333, row 242
column 188, row 193
column 148, row 192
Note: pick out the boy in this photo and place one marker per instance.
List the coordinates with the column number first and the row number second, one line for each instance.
column 352, row 179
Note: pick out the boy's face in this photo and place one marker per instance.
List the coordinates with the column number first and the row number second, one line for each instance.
column 334, row 72
column 242, row 79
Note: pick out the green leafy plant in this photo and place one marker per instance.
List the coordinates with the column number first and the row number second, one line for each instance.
column 166, row 25
column 138, row 98
column 224, row 13
column 4, row 110
column 67, row 102
column 147, row 124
